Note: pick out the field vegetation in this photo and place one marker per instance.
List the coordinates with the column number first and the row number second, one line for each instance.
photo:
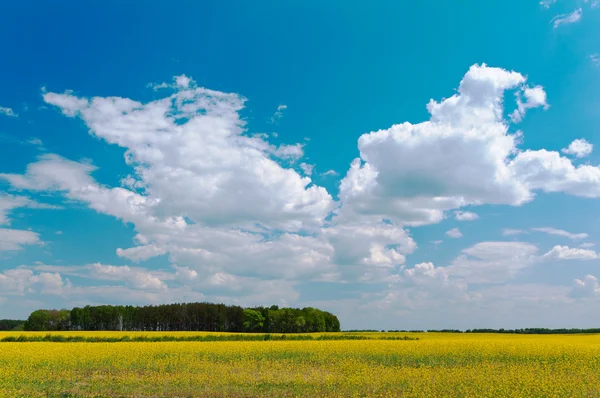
column 435, row 365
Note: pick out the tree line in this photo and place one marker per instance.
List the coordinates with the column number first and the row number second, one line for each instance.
column 11, row 324
column 185, row 317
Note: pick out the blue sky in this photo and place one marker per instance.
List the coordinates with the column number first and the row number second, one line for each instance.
column 402, row 164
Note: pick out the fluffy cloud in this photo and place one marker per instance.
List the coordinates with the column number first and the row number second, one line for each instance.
column 465, row 216
column 141, row 253
column 21, row 281
column 580, row 148
column 241, row 223
column 15, row 239
column 306, row 168
column 138, row 279
column 412, row 173
column 548, row 171
column 454, row 233
column 565, row 19
column 560, row 232
column 535, row 97
column 570, row 253
column 191, row 156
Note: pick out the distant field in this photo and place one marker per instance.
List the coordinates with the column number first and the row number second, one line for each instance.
column 437, row 365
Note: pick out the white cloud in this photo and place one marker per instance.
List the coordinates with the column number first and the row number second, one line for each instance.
column 465, row 216
column 593, row 3
column 464, row 155
column 567, row 253
column 7, row 112
column 565, row 19
column 191, row 157
column 547, row 3
column 279, row 113
column 560, row 232
column 588, row 287
column 587, row 245
column 580, row 148
column 179, row 82
column 454, row 233
column 548, row 171
column 11, row 202
column 330, row 173
column 595, row 58
column 15, row 239
column 493, row 262
column 141, row 253
column 306, row 168
column 183, row 81
column 535, row 97
column 510, row 231
column 138, row 279
column 241, row 224
column 21, row 281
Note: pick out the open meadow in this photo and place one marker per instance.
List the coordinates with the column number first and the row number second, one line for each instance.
column 436, row 365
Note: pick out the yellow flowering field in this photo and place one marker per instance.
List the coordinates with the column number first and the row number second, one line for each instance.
column 437, row 365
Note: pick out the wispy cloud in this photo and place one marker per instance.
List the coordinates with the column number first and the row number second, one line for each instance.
column 565, row 19
column 509, row 232
column 595, row 58
column 7, row 112
column 547, row 3
column 560, row 232
column 330, row 173
column 279, row 113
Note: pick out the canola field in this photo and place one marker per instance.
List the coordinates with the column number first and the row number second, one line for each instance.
column 436, row 365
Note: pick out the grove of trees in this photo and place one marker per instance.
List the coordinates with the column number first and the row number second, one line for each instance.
column 11, row 324
column 185, row 317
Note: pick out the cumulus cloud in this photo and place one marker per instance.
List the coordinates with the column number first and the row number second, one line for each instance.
column 20, row 281
column 570, row 253
column 306, row 168
column 231, row 210
column 580, row 148
column 465, row 216
column 191, row 156
column 454, row 233
column 560, row 232
column 549, row 172
column 565, row 19
column 464, row 155
column 534, row 97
